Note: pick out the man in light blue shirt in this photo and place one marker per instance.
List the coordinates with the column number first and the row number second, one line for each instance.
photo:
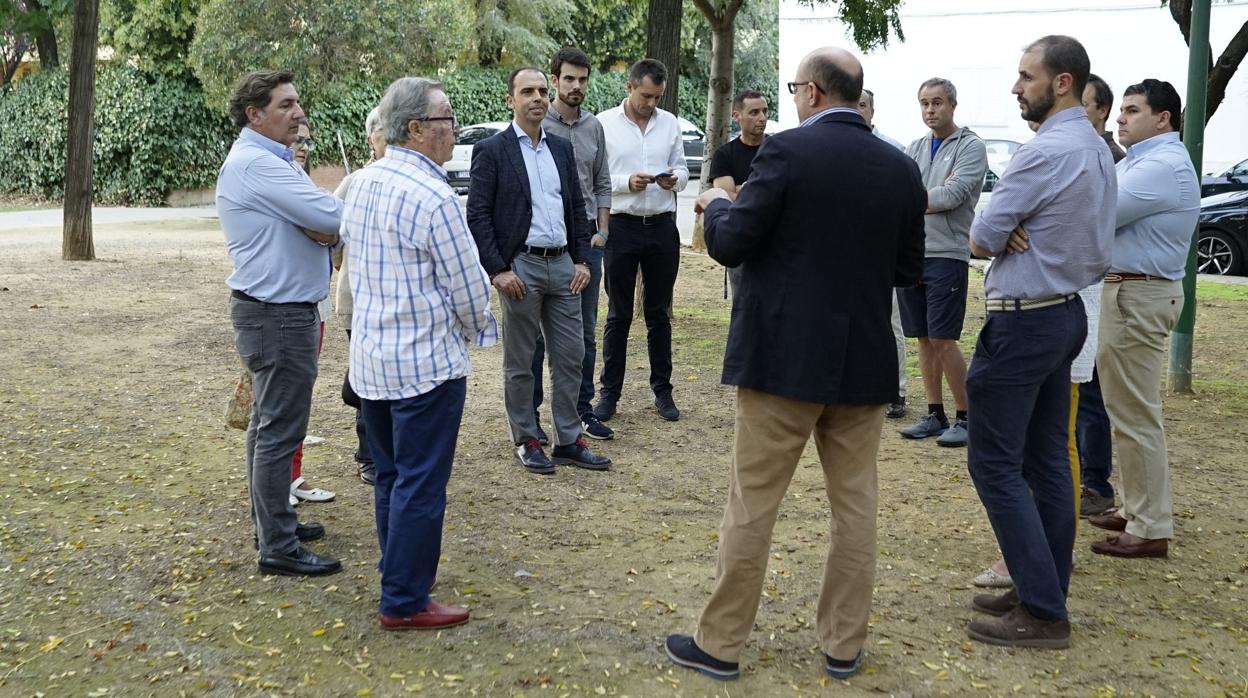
column 527, row 214
column 1049, row 228
column 1158, row 204
column 279, row 229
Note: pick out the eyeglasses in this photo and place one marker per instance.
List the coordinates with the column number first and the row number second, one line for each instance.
column 794, row 85
column 302, row 143
column 451, row 118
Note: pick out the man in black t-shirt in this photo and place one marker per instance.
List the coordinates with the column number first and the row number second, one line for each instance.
column 730, row 166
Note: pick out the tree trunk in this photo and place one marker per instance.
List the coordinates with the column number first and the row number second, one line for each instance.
column 723, row 21
column 45, row 44
column 1220, row 72
column 77, row 243
column 663, row 44
column 12, row 63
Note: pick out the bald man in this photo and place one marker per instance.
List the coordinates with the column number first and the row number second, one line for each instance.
column 829, row 206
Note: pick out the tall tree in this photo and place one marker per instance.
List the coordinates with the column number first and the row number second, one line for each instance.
column 518, row 32
column 77, row 242
column 155, row 35
column 26, row 25
column 722, row 16
column 1220, row 71
column 663, row 21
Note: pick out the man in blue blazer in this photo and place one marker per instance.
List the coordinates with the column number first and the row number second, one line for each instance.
column 527, row 214
column 830, row 223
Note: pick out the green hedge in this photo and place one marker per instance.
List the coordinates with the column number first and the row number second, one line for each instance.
column 154, row 134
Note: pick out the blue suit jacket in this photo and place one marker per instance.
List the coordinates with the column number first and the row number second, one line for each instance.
column 500, row 205
column 830, row 221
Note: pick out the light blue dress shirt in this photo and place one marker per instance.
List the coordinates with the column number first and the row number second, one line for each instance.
column 547, row 228
column 1060, row 186
column 1158, row 204
column 264, row 199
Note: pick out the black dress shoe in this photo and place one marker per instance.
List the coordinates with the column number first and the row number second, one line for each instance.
column 578, row 454
column 300, row 563
column 303, row 531
column 605, row 409
column 667, row 407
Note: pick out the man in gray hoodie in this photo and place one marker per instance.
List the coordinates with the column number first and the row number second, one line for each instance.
column 952, row 162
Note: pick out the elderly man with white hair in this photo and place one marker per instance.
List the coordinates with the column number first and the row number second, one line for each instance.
column 342, row 298
column 420, row 296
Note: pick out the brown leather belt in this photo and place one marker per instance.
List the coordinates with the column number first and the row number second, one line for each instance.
column 1114, row 277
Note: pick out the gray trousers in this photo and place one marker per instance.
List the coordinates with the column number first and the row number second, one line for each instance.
column 549, row 309
column 277, row 343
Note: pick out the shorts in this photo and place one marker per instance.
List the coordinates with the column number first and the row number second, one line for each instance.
column 936, row 307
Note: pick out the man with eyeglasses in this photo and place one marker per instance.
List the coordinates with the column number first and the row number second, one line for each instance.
column 533, row 236
column 278, row 229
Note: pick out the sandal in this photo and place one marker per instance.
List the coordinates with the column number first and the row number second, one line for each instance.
column 314, row 494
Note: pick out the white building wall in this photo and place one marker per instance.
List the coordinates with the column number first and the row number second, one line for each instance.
column 977, row 44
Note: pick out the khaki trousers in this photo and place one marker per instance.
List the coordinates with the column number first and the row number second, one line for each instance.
column 1136, row 319
column 771, row 432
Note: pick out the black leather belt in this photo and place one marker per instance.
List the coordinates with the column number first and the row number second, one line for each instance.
column 235, row 293
column 544, row 251
column 653, row 219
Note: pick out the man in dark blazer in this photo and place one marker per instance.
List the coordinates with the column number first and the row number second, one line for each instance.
column 527, row 214
column 832, row 220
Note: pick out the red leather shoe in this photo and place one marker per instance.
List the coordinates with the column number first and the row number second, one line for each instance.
column 1110, row 521
column 435, row 616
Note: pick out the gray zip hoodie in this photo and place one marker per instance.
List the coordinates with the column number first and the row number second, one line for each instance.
column 953, row 179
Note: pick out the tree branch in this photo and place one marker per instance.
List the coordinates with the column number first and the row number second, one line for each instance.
column 1220, row 73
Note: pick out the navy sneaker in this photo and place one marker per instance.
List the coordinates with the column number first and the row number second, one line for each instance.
column 928, row 426
column 682, row 650
column 842, row 668
column 577, row 453
column 594, row 428
column 666, row 407
column 605, row 409
column 533, row 458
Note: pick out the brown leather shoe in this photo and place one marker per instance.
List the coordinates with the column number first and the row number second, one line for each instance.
column 1110, row 521
column 434, row 616
column 1115, row 546
column 1018, row 628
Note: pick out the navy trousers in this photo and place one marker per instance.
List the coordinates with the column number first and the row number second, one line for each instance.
column 1096, row 450
column 1018, row 387
column 413, row 444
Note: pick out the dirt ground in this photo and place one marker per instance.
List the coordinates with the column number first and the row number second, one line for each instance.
column 127, row 567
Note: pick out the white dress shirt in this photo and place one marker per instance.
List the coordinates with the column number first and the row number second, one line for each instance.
column 630, row 152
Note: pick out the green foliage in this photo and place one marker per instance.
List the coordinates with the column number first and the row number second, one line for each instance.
column 34, row 18
column 155, row 34
column 611, row 32
column 870, row 20
column 756, row 55
column 153, row 134
column 325, row 43
column 518, row 32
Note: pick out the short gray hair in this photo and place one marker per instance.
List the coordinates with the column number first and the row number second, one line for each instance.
column 405, row 101
column 372, row 122
column 950, row 91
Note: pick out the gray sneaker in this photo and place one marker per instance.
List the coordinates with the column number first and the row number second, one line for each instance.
column 954, row 435
column 1092, row 503
column 928, row 426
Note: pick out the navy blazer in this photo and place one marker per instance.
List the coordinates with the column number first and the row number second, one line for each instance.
column 829, row 222
column 500, row 205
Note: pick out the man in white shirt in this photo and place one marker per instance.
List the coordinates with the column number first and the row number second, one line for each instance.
column 647, row 161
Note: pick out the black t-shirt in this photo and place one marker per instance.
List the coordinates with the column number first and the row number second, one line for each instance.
column 733, row 159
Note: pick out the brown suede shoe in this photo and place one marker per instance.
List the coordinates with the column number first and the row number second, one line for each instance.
column 995, row 604
column 1018, row 628
column 1110, row 521
column 1115, row 546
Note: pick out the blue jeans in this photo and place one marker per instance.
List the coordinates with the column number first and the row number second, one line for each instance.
column 1018, row 387
column 589, row 322
column 277, row 343
column 1095, row 443
column 413, row 445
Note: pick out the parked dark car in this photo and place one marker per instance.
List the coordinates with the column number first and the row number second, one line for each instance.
column 1234, row 178
column 695, row 147
column 1223, row 239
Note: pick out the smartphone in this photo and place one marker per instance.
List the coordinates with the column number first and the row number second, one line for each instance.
column 663, row 175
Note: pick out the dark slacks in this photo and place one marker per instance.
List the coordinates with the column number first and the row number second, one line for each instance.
column 1096, row 447
column 654, row 248
column 278, row 344
column 1018, row 387
column 413, row 444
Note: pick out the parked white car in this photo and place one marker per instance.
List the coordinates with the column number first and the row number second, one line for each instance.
column 461, row 157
